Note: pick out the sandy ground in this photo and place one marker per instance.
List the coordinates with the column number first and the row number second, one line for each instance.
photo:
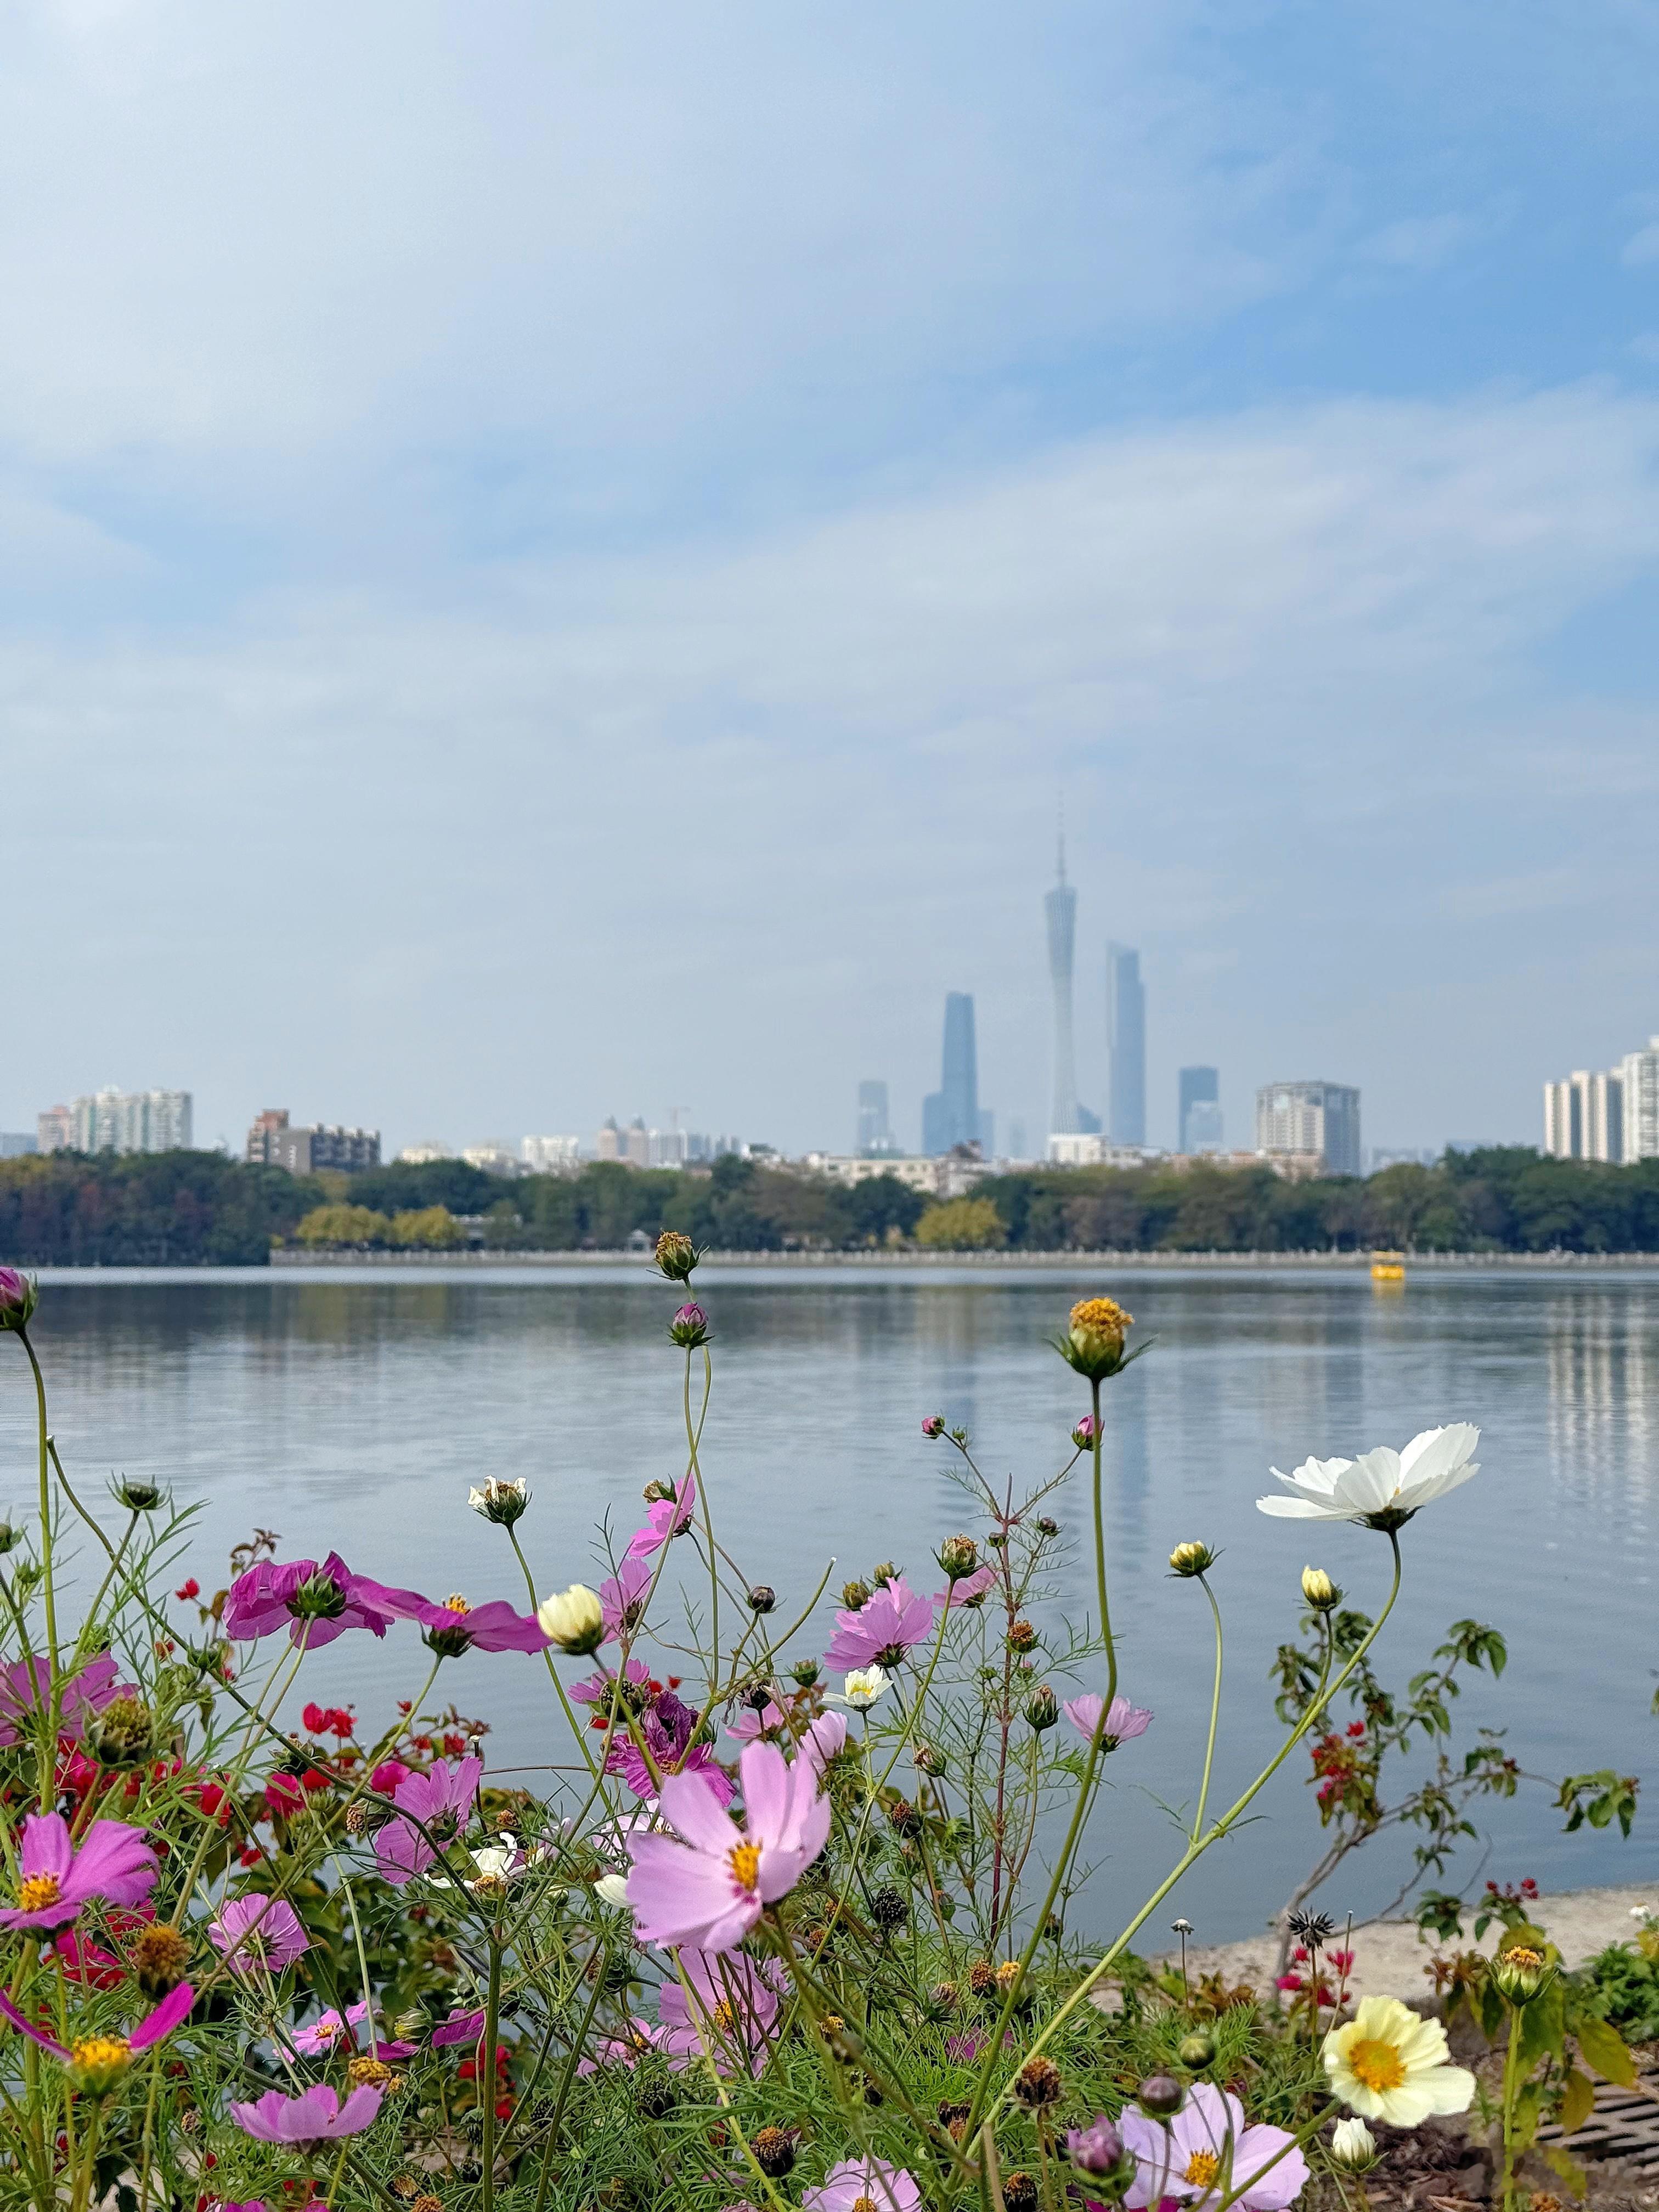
column 1390, row 1955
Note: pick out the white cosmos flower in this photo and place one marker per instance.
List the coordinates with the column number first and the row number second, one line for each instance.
column 1390, row 2063
column 612, row 1888
column 1382, row 1488
column 863, row 1686
column 494, row 1865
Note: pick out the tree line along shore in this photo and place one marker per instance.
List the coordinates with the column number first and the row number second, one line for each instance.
column 198, row 1208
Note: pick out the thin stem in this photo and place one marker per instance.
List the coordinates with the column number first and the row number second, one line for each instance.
column 1097, row 1442
column 1215, row 1713
column 487, row 2067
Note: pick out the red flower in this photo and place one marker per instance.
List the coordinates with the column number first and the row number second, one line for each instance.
column 192, row 1589
column 212, row 1799
column 341, row 1723
column 315, row 1720
column 311, row 1780
column 1356, row 1728
column 454, row 1746
column 504, row 2108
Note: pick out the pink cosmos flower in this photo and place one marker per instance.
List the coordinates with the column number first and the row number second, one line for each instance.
column 25, row 1687
column 459, row 2028
column 455, row 1626
column 1123, row 1720
column 825, row 1739
column 1183, row 2157
column 969, row 1590
column 328, row 2032
column 749, row 1724
column 55, row 1880
column 441, row 1800
column 889, row 2188
column 596, row 1689
column 665, row 1517
column 883, row 1629
column 255, row 1930
column 710, row 1889
column 627, row 1760
column 316, row 2116
column 315, row 1602
column 622, row 1597
column 736, row 2007
column 389, row 1777
column 163, row 2021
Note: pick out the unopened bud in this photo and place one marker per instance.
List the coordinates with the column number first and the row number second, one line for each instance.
column 958, row 1556
column 934, row 1427
column 1196, row 2050
column 139, row 1497
column 690, row 1327
column 1160, row 2094
column 124, row 1733
column 1047, row 1525
column 1320, row 1591
column 1189, row 1559
column 676, row 1256
column 19, row 1296
column 1041, row 1707
column 855, row 1594
column 762, row 1598
column 1084, row 1435
column 1353, row 2146
column 1521, row 1972
column 1096, row 2149
column 805, row 1672
column 573, row 1619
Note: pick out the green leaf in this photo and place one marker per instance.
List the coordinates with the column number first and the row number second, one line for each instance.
column 1543, row 2028
column 1606, row 2051
column 1568, row 2168
column 1578, row 2101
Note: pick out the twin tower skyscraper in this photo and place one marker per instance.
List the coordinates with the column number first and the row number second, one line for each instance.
column 1126, row 1028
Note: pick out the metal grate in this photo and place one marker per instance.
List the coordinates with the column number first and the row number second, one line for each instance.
column 1623, row 2123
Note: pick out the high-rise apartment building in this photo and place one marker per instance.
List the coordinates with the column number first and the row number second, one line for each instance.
column 1638, row 1078
column 271, row 1141
column 875, row 1133
column 1198, row 1111
column 1584, row 1115
column 1059, row 910
column 951, row 1114
column 119, row 1121
column 1310, row 1118
column 1126, row 1047
column 550, row 1155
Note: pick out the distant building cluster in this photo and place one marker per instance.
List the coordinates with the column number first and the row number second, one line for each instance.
column 118, row 1121
column 273, row 1141
column 1606, row 1113
column 1316, row 1120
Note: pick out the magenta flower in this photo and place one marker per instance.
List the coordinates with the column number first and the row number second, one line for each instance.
column 19, row 1294
column 883, row 1629
column 625, row 1759
column 328, row 2032
column 255, row 1931
column 597, row 1689
column 389, row 1777
column 969, row 1590
column 100, row 2062
column 1183, row 2157
column 749, row 1724
column 665, row 1517
column 25, row 1687
column 710, row 1889
column 55, row 1880
column 459, row 2028
column 1123, row 1722
column 315, row 1603
column 441, row 1801
column 934, row 1427
column 863, row 2180
column 622, row 1598
column 455, row 1626
column 735, row 2011
column 314, row 2117
column 825, row 1739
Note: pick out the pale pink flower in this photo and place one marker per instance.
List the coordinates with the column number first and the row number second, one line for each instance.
column 735, row 2011
column 889, row 2188
column 825, row 1739
column 316, row 2116
column 711, row 1888
column 55, row 1879
column 1123, row 1720
column 1183, row 2157
column 258, row 1930
column 883, row 1629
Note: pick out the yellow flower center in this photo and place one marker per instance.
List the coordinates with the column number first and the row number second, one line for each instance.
column 1101, row 1317
column 1202, row 2168
column 743, row 1859
column 1378, row 2064
column 865, row 2204
column 99, row 2054
column 37, row 1891
column 723, row 2018
column 1520, row 1956
column 456, row 1605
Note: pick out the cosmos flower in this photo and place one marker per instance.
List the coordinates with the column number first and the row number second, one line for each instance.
column 860, row 2181
column 825, row 1739
column 1124, row 1721
column 622, row 1597
column 455, row 1626
column 1206, row 2141
column 1388, row 2064
column 316, row 2116
column 598, row 1689
column 665, row 1518
column 25, row 1691
column 968, row 1589
column 860, row 1689
column 441, row 1801
column 328, row 2032
column 735, row 2009
column 459, row 2028
column 749, row 1723
column 493, row 1866
column 97, row 2063
column 884, row 1630
column 56, row 1878
column 710, row 1888
column 255, row 1930
column 315, row 1602
column 1382, row 1488
column 499, row 1500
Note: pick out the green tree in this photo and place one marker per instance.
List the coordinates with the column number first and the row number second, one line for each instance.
column 962, row 1224
column 429, row 1228
column 336, row 1225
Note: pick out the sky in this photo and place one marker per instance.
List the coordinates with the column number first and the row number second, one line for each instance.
column 558, row 562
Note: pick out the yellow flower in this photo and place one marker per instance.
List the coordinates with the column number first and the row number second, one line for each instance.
column 1103, row 1319
column 573, row 1619
column 1386, row 2064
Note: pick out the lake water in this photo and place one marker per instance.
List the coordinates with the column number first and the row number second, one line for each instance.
column 355, row 1409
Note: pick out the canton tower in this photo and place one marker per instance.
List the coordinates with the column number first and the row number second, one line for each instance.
column 1060, row 905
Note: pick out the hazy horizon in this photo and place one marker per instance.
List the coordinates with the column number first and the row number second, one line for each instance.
column 562, row 565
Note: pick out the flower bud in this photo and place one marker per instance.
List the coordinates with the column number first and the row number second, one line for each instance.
column 926, row 1759
column 958, row 1556
column 690, row 1327
column 1047, row 1525
column 139, row 1497
column 1320, row 1591
column 9, row 1538
column 1353, row 2146
column 1041, row 1707
column 1096, row 2149
column 499, row 1500
column 160, row 1959
column 762, row 1598
column 855, row 1595
column 1189, row 1559
column 1084, row 1435
column 573, row 1619
column 1093, row 1342
column 1196, row 2050
column 887, row 1572
column 1160, row 2094
column 934, row 1427
column 1521, row 1972
column 676, row 1256
column 19, row 1296
column 805, row 1672
column 124, row 1734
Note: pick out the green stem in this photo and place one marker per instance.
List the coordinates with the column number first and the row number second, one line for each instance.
column 1511, row 2090
column 362, row 1968
column 1097, row 1442
column 1215, row 1715
column 487, row 2067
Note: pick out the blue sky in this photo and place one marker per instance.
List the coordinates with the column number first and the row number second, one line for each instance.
column 558, row 562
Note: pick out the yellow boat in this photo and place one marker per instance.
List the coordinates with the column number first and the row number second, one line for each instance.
column 1387, row 1267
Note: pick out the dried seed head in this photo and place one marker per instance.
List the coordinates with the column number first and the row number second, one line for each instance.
column 1038, row 2084
column 981, row 1978
column 1020, row 2192
column 1022, row 1636
column 775, row 2150
column 160, row 1959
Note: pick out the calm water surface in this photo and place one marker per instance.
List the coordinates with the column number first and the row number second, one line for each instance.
column 354, row 1411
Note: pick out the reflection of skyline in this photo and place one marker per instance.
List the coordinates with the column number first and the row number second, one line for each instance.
column 1600, row 1365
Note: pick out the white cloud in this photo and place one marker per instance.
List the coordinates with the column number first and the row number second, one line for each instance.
column 1642, row 249
column 1421, row 243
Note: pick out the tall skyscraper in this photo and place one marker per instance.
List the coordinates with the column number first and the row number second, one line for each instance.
column 1126, row 1045
column 1307, row 1118
column 120, row 1121
column 1198, row 1116
column 875, row 1134
column 951, row 1114
column 1060, row 906
column 1584, row 1117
